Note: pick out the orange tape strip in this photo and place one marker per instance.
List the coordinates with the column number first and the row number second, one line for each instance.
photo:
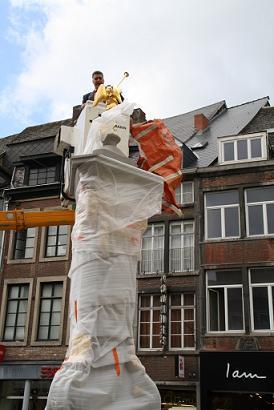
column 116, row 361
column 75, row 310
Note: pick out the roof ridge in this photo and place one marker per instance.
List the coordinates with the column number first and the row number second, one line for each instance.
column 249, row 102
column 43, row 124
column 188, row 112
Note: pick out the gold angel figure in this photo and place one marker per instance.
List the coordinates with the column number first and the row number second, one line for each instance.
column 108, row 94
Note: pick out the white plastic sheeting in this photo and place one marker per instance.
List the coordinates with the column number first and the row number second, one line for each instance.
column 101, row 370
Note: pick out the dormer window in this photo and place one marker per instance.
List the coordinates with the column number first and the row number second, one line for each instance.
column 242, row 148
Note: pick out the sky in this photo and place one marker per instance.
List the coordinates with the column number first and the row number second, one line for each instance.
column 180, row 54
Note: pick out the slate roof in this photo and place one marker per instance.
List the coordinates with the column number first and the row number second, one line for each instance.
column 223, row 121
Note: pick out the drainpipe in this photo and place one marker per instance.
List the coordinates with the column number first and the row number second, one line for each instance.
column 26, row 395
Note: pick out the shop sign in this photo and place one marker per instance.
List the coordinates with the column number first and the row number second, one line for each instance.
column 2, row 352
column 181, row 366
column 48, row 372
column 237, row 371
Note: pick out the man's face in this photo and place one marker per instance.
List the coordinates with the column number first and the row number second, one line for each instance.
column 97, row 80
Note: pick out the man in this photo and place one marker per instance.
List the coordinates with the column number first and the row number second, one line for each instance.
column 97, row 79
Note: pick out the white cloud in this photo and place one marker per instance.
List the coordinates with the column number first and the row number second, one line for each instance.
column 180, row 54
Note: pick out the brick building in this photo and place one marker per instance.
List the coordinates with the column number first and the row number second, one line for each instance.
column 205, row 293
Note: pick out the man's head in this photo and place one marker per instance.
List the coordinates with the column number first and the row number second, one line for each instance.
column 97, row 79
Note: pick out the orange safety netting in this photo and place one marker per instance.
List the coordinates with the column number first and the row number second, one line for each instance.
column 160, row 154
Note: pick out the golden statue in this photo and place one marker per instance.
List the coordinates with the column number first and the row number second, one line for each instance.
column 109, row 94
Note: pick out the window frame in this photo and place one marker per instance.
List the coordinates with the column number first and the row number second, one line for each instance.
column 182, row 307
column 44, row 230
column 45, row 167
column 41, row 280
column 154, row 272
column 265, row 220
column 270, row 299
column 181, row 193
column 150, row 309
column 248, row 137
column 222, row 208
column 182, row 223
column 225, row 287
column 7, row 282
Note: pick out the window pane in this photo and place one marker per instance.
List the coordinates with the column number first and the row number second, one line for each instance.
column 175, row 300
column 55, row 319
column 44, row 319
column 235, row 309
column 43, row 333
column 242, row 149
column 189, row 341
column 56, row 305
column 189, row 314
column 45, row 305
column 12, row 306
column 144, row 329
column 224, row 277
column 231, row 222
column 228, row 151
column 256, row 148
column 175, row 328
column 13, row 291
column 189, row 328
column 176, row 341
column 176, row 315
column 222, row 198
column 260, row 308
column 50, row 251
column 144, row 342
column 23, row 306
column 8, row 335
column 54, row 333
column 189, row 299
column 156, row 328
column 156, row 300
column 19, row 334
column 214, row 229
column 216, row 310
column 58, row 289
column 10, row 320
column 145, row 300
column 47, row 290
column 145, row 316
column 260, row 194
column 270, row 217
column 255, row 219
column 24, row 291
column 61, row 250
column 262, row 275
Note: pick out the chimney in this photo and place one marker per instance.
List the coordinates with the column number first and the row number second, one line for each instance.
column 200, row 122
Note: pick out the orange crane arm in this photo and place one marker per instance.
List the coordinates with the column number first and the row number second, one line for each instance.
column 18, row 220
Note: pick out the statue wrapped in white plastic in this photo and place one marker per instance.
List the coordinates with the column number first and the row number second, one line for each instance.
column 113, row 201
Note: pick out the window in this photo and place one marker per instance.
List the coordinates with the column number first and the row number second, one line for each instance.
column 260, row 210
column 222, row 215
column 24, row 244
column 184, row 193
column 181, row 321
column 16, row 312
column 225, row 301
column 149, row 322
column 181, row 252
column 262, row 298
column 242, row 148
column 56, row 241
column 153, row 249
column 39, row 176
column 50, row 311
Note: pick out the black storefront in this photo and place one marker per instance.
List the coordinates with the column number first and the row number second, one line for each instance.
column 237, row 380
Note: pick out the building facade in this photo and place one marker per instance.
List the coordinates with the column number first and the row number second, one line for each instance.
column 204, row 328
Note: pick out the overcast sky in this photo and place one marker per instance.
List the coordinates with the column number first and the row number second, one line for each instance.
column 181, row 54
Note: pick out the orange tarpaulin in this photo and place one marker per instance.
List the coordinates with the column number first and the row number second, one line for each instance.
column 160, row 154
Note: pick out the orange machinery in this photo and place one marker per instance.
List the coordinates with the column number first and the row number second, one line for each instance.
column 18, row 220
